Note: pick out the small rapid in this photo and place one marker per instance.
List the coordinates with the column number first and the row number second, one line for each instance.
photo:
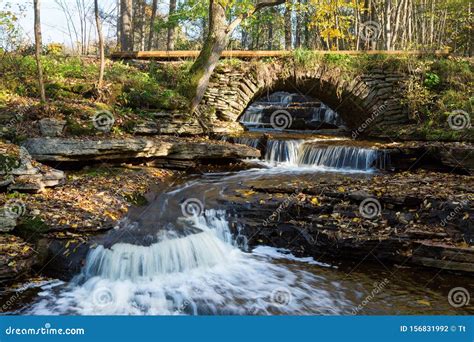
column 303, row 154
column 199, row 274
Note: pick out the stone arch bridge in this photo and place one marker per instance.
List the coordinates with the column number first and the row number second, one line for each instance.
column 364, row 100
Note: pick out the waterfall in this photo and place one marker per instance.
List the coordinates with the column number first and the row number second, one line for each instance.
column 198, row 274
column 172, row 254
column 297, row 153
column 131, row 262
column 283, row 151
column 253, row 115
column 326, row 115
column 338, row 157
column 258, row 114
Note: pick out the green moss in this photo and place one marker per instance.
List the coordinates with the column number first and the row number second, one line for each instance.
column 8, row 163
column 32, row 227
column 76, row 128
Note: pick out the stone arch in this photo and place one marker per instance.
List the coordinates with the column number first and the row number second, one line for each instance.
column 364, row 101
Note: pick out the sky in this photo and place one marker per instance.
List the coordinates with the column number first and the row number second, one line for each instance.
column 53, row 20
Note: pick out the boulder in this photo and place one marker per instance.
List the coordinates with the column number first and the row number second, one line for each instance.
column 7, row 222
column 51, row 127
column 18, row 172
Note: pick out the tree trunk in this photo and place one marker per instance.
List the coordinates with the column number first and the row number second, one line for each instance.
column 126, row 34
column 171, row 28
column 288, row 27
column 388, row 24
column 214, row 45
column 38, row 46
column 270, row 33
column 154, row 8
column 101, row 44
column 216, row 42
column 298, row 27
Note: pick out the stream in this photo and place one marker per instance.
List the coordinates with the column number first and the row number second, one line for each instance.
column 184, row 253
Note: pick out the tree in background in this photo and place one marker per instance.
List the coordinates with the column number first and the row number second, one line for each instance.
column 38, row 47
column 172, row 26
column 100, row 36
column 126, row 31
column 154, row 9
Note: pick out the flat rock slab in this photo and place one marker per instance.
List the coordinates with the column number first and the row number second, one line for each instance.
column 76, row 150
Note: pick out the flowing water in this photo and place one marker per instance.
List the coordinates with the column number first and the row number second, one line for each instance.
column 183, row 254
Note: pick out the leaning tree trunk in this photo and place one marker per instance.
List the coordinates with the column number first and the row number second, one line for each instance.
column 38, row 46
column 206, row 62
column 215, row 43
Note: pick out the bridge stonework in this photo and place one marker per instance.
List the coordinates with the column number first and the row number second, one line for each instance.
column 369, row 99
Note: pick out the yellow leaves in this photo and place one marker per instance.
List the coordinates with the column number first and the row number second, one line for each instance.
column 315, row 201
column 341, row 189
column 111, row 215
column 423, row 302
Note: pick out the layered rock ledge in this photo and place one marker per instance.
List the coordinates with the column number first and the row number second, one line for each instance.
column 419, row 218
column 168, row 152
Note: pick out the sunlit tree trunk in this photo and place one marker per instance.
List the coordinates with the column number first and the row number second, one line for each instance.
column 101, row 44
column 154, row 8
column 38, row 47
column 126, row 34
column 171, row 28
column 215, row 43
column 288, row 26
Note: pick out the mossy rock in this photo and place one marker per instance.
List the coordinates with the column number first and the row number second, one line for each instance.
column 32, row 228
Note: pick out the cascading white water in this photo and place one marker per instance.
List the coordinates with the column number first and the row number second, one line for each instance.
column 171, row 254
column 297, row 153
column 254, row 115
column 203, row 273
column 339, row 157
column 283, row 151
column 326, row 115
column 131, row 262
